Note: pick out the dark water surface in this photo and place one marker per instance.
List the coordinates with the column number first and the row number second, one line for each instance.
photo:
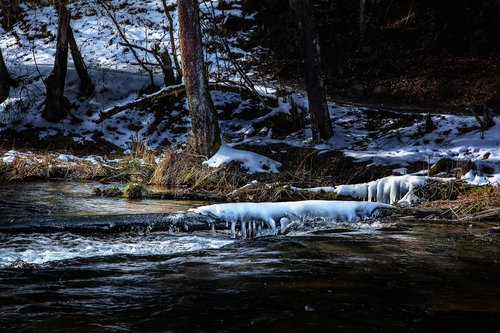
column 66, row 198
column 360, row 279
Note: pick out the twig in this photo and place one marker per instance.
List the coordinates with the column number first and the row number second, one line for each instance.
column 172, row 40
column 240, row 71
column 125, row 39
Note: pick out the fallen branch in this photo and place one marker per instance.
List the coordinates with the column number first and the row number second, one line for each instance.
column 489, row 213
column 168, row 92
column 154, row 98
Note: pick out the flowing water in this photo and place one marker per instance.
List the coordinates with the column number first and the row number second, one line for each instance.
column 369, row 278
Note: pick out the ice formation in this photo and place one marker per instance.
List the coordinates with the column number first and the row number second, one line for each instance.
column 254, row 215
column 390, row 189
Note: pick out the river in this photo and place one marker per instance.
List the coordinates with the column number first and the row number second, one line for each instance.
column 365, row 278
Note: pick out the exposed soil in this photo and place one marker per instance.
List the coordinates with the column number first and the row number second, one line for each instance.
column 422, row 54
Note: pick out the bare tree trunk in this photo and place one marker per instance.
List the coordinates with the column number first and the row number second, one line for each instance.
column 10, row 13
column 86, row 86
column 362, row 19
column 320, row 119
column 5, row 80
column 56, row 104
column 204, row 121
column 167, row 69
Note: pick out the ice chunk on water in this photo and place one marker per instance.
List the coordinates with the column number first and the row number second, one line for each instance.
column 282, row 212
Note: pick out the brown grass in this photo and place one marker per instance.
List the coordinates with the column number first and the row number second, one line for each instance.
column 46, row 166
column 34, row 166
column 473, row 203
column 183, row 168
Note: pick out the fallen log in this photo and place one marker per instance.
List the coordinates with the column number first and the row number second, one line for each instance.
column 154, row 98
column 107, row 224
column 170, row 91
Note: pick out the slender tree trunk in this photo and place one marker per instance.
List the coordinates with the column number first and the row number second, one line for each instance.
column 204, row 121
column 5, row 80
column 10, row 13
column 56, row 104
column 173, row 49
column 320, row 119
column 362, row 19
column 86, row 86
column 167, row 69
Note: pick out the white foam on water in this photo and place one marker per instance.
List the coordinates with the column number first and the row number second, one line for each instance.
column 43, row 248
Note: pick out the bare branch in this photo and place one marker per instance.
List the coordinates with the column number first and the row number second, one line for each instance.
column 172, row 40
column 125, row 39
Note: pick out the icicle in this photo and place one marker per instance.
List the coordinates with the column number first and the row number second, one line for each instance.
column 213, row 229
column 243, row 230
column 372, row 191
column 272, row 225
column 395, row 191
column 283, row 224
column 233, row 229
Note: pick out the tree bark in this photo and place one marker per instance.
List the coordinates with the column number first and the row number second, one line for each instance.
column 320, row 119
column 10, row 13
column 362, row 19
column 167, row 69
column 5, row 80
column 204, row 121
column 87, row 88
column 56, row 104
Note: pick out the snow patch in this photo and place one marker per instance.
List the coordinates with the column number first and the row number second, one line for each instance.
column 250, row 161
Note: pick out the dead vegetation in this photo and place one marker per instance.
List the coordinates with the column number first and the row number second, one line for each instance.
column 183, row 168
column 472, row 203
column 36, row 166
column 47, row 166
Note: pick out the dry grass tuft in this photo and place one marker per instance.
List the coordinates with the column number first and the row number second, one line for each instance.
column 32, row 166
column 435, row 191
column 473, row 203
column 140, row 151
column 183, row 168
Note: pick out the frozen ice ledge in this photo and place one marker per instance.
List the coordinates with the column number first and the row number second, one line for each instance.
column 256, row 216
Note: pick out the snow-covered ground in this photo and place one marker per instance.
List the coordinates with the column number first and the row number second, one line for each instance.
column 29, row 53
column 367, row 135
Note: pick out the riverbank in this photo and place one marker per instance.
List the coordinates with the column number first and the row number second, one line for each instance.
column 305, row 174
column 110, row 138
